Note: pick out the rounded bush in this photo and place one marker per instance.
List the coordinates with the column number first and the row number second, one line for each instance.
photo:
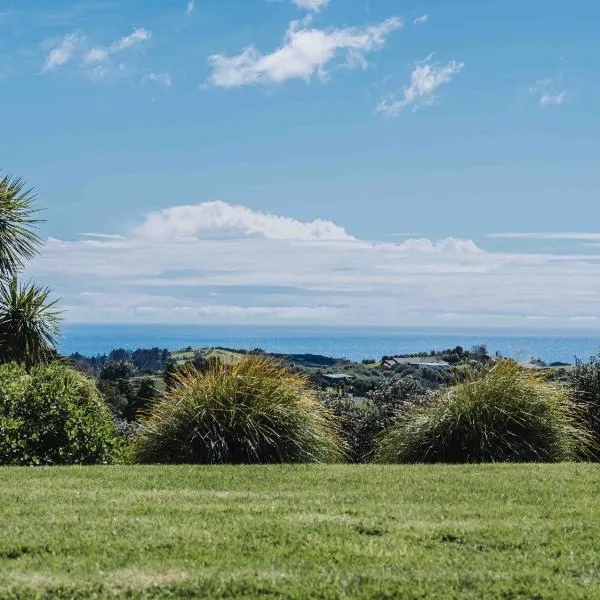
column 504, row 413
column 53, row 415
column 251, row 412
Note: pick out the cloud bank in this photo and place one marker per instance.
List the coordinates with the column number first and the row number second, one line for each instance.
column 220, row 263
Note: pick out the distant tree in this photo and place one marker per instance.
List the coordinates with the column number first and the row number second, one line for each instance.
column 119, row 395
column 479, row 352
column 152, row 359
column 119, row 355
column 113, row 371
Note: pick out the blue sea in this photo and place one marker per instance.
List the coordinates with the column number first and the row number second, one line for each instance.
column 353, row 343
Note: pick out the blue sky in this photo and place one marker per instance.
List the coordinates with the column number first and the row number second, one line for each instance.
column 414, row 132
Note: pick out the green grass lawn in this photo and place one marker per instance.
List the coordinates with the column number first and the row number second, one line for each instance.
column 510, row 532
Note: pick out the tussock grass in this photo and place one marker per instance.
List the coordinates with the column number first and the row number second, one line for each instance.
column 253, row 411
column 504, row 413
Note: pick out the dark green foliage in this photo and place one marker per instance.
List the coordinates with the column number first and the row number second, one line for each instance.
column 362, row 420
column 251, row 412
column 52, row 415
column 115, row 370
column 585, row 381
column 500, row 414
column 146, row 394
column 28, row 323
column 143, row 359
column 153, row 359
column 395, row 393
column 119, row 395
column 358, row 422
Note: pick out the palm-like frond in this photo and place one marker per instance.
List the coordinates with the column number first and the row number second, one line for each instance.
column 28, row 323
column 18, row 240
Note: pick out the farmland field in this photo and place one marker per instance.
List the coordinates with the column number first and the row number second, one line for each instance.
column 493, row 531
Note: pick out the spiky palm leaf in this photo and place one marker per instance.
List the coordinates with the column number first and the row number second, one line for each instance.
column 28, row 323
column 18, row 240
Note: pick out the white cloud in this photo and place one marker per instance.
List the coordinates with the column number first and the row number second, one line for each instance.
column 215, row 262
column 95, row 55
column 104, row 236
column 312, row 5
column 211, row 218
column 96, row 59
column 549, row 92
column 305, row 53
column 163, row 79
column 190, row 7
column 99, row 54
column 424, row 82
column 138, row 36
column 63, row 52
column 420, row 20
column 556, row 99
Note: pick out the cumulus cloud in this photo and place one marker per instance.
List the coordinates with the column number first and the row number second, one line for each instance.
column 306, row 52
column 420, row 20
column 215, row 262
column 312, row 5
column 62, row 52
column 425, row 80
column 190, row 8
column 211, row 218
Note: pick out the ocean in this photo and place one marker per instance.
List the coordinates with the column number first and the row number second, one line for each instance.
column 353, row 343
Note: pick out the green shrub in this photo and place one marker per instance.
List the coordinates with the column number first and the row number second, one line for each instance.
column 251, row 412
column 52, row 415
column 501, row 414
column 358, row 422
column 362, row 420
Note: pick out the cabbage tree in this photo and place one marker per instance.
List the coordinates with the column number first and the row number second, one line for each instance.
column 28, row 319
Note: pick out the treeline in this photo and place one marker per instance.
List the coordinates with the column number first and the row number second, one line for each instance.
column 145, row 360
column 458, row 354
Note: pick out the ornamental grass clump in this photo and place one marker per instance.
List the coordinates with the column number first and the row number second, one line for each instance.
column 252, row 412
column 505, row 413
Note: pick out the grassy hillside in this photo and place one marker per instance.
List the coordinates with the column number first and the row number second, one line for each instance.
column 510, row 532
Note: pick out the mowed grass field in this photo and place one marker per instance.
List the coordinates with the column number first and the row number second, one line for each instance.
column 493, row 531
